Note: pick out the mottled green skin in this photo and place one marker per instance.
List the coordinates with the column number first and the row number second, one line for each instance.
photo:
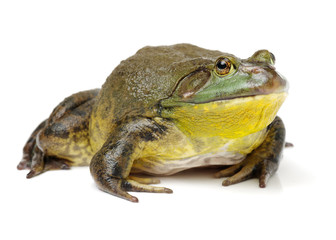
column 144, row 79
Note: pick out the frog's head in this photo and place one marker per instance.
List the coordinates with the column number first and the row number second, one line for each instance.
column 229, row 77
column 238, row 91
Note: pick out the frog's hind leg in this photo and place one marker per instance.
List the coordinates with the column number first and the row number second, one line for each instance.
column 62, row 140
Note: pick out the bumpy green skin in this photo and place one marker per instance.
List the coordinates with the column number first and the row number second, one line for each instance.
column 107, row 128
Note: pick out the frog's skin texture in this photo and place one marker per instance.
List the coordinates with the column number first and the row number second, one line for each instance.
column 164, row 110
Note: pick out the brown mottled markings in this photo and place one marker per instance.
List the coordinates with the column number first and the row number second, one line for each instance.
column 62, row 139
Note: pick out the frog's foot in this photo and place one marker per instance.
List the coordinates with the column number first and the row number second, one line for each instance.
column 262, row 162
column 37, row 162
column 41, row 163
column 249, row 168
column 49, row 164
column 28, row 149
column 121, row 187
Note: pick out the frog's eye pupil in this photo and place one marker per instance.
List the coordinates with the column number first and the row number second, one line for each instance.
column 223, row 66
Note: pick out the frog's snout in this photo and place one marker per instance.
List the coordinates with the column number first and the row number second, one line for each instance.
column 260, row 67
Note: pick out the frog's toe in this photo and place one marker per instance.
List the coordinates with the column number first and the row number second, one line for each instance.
column 236, row 173
column 117, row 187
column 228, row 171
column 120, row 187
column 24, row 163
column 244, row 174
column 267, row 168
column 114, row 187
column 37, row 163
column 144, row 180
column 33, row 173
column 131, row 185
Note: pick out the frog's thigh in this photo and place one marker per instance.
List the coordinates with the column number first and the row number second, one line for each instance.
column 49, row 145
column 111, row 165
column 68, row 137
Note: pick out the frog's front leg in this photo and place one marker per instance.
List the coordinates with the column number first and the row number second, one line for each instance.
column 112, row 164
column 263, row 162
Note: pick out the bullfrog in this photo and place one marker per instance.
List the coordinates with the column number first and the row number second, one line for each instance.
column 164, row 110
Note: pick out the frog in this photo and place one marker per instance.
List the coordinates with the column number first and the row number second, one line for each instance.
column 164, row 110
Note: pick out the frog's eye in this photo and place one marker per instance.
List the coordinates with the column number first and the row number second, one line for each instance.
column 223, row 66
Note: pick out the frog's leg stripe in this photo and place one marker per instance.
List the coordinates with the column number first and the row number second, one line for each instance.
column 111, row 165
column 263, row 162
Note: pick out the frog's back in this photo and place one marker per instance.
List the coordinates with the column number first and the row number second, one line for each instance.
column 137, row 84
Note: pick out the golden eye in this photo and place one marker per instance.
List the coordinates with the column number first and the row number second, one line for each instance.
column 223, row 66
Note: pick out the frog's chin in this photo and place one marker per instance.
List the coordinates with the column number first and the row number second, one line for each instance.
column 228, row 118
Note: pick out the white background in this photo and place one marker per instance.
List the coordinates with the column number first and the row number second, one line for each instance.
column 51, row 49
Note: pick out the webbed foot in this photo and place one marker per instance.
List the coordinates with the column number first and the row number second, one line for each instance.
column 41, row 163
column 121, row 187
column 249, row 168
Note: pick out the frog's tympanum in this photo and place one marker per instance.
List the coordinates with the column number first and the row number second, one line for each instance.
column 164, row 110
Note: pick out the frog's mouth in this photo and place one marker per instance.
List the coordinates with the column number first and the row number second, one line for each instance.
column 273, row 83
column 242, row 96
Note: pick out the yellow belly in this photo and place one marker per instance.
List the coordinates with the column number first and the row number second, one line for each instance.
column 215, row 133
column 176, row 152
